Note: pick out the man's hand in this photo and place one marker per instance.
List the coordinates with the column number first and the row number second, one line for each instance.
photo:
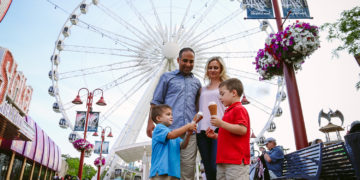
column 149, row 129
column 210, row 133
column 215, row 121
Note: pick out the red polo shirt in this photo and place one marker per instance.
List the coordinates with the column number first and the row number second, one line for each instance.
column 232, row 148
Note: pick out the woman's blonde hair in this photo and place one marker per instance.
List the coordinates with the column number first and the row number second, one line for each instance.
column 223, row 75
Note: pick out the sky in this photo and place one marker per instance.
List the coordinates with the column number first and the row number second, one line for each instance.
column 30, row 29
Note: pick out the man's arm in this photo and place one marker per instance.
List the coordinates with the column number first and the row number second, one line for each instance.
column 237, row 129
column 197, row 100
column 267, row 157
column 150, row 126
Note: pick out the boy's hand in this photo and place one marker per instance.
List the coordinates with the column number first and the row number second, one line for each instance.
column 191, row 126
column 215, row 121
column 210, row 133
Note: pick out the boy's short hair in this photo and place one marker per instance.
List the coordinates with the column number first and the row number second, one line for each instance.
column 157, row 110
column 233, row 84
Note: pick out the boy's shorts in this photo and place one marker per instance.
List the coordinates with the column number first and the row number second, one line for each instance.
column 232, row 172
column 163, row 177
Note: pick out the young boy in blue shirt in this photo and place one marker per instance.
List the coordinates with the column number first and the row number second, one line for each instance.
column 166, row 144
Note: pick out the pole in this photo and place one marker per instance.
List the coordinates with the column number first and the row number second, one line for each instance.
column 293, row 94
column 89, row 105
column 102, row 140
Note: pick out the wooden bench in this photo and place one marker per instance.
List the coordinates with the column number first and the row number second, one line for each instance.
column 336, row 163
column 304, row 163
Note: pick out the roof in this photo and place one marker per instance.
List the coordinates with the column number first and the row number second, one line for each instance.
column 331, row 128
column 134, row 152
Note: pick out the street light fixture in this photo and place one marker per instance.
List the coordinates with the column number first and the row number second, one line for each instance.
column 77, row 100
column 102, row 141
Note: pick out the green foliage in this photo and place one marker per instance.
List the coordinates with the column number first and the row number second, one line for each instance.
column 347, row 30
column 73, row 164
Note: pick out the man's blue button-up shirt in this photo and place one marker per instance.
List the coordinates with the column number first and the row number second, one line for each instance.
column 277, row 157
column 179, row 91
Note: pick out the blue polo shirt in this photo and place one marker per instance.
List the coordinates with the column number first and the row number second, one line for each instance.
column 165, row 155
column 277, row 157
column 179, row 92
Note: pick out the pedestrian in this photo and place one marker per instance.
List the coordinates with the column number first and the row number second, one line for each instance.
column 215, row 72
column 56, row 177
column 166, row 144
column 274, row 158
column 233, row 150
column 180, row 90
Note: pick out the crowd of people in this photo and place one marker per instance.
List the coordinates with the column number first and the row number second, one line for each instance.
column 223, row 139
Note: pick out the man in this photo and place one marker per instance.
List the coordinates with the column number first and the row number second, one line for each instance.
column 274, row 158
column 180, row 90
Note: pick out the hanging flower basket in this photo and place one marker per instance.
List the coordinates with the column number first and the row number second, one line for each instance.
column 82, row 144
column 292, row 46
column 99, row 161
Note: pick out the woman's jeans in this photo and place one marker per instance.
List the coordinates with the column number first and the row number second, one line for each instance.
column 207, row 148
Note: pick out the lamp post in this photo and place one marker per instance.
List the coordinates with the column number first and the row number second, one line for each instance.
column 77, row 100
column 101, row 147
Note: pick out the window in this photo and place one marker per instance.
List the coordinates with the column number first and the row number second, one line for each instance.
column 4, row 164
column 16, row 169
column 27, row 170
column 36, row 172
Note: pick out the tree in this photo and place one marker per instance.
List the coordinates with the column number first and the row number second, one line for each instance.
column 347, row 30
column 73, row 163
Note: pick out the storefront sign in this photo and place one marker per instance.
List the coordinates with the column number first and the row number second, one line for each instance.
column 13, row 115
column 4, row 6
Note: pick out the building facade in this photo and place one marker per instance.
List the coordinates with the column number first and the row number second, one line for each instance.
column 26, row 151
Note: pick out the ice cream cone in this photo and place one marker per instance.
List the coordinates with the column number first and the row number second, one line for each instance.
column 198, row 117
column 212, row 108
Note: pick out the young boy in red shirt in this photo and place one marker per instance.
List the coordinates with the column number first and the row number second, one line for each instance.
column 233, row 148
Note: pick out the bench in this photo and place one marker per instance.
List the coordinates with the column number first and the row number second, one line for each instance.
column 303, row 164
column 336, row 162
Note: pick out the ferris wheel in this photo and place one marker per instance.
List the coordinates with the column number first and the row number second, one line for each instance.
column 124, row 46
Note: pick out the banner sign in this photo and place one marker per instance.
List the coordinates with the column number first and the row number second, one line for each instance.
column 299, row 9
column 105, row 148
column 93, row 121
column 259, row 9
column 80, row 121
column 81, row 118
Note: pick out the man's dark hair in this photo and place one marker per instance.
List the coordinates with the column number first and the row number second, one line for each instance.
column 185, row 49
column 157, row 110
column 233, row 84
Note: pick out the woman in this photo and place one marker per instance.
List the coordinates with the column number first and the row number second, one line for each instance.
column 215, row 73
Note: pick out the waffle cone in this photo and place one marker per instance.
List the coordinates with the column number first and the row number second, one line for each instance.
column 213, row 109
